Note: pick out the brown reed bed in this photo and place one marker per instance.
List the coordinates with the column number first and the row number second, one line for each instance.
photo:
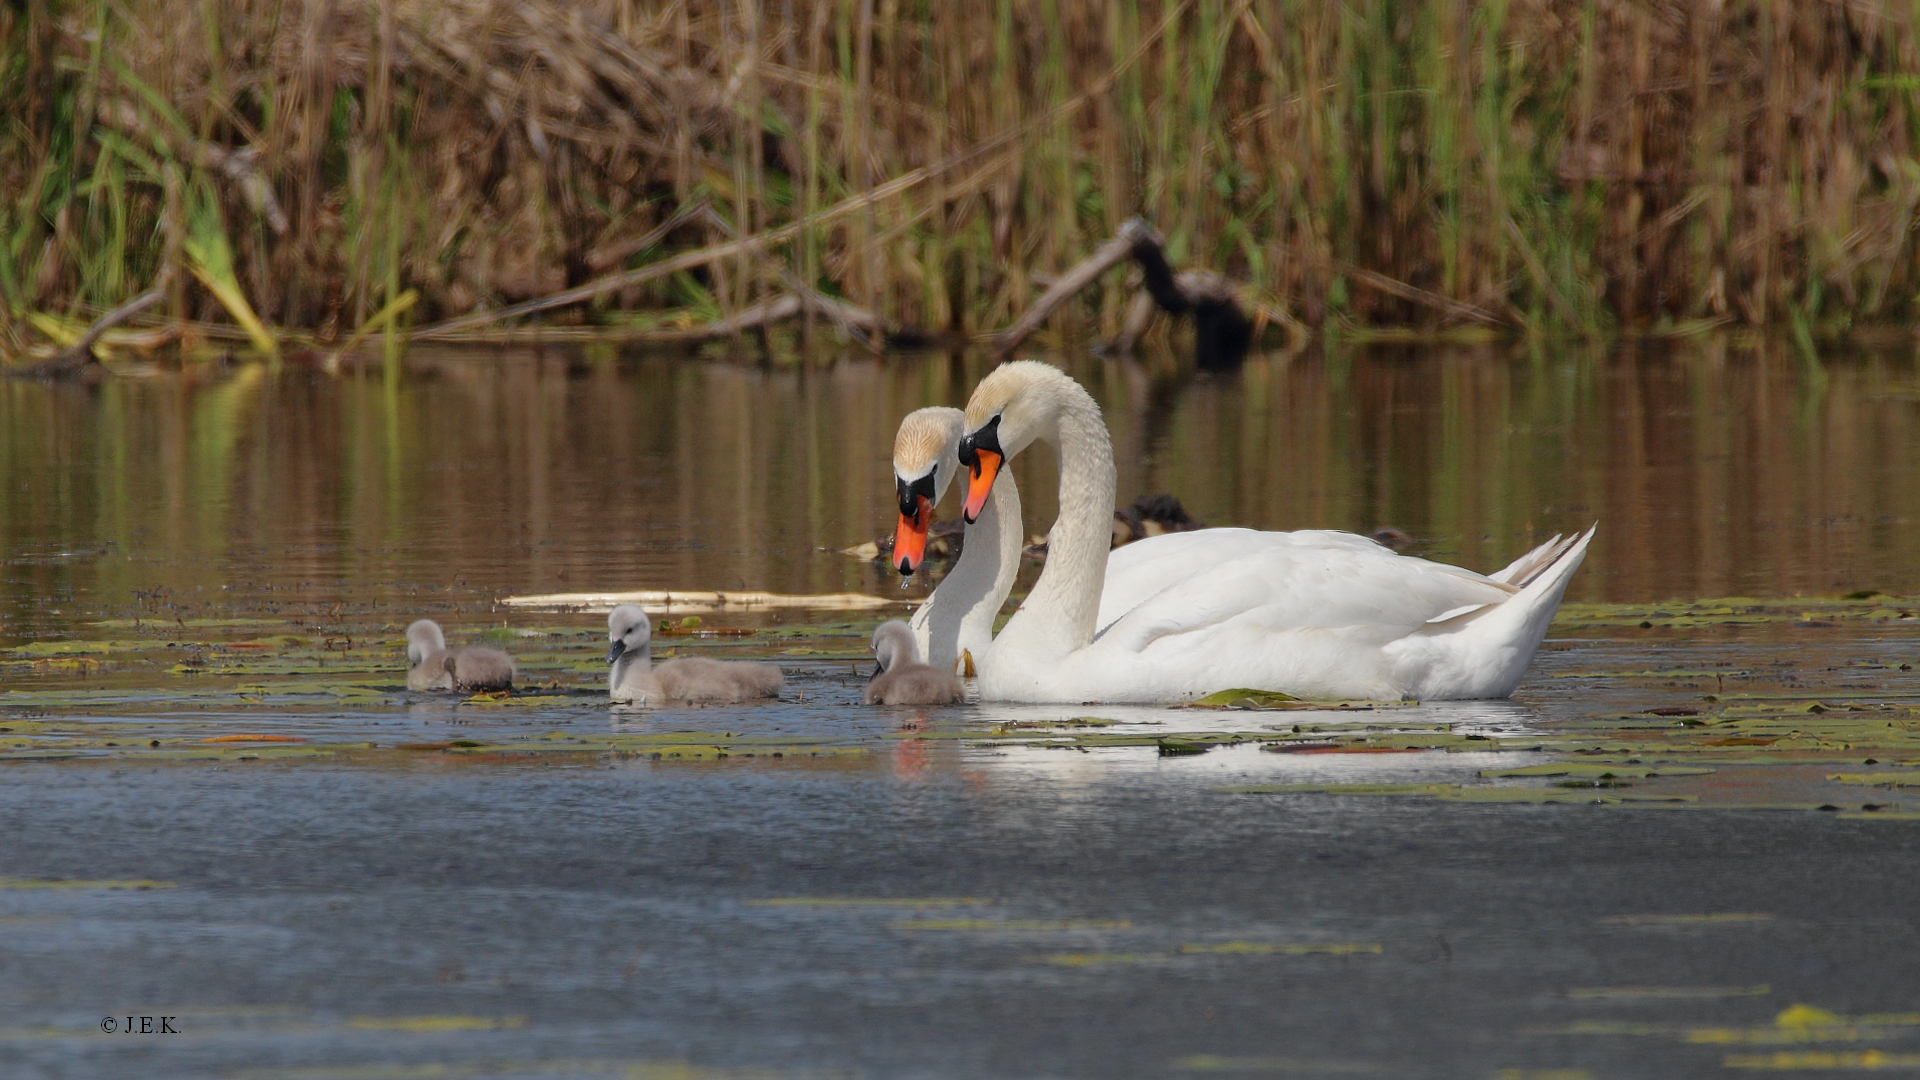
column 1535, row 164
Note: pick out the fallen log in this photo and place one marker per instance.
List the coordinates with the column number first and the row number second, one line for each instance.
column 74, row 358
column 1221, row 329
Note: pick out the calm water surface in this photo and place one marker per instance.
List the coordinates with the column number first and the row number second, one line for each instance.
column 462, row 477
column 916, row 894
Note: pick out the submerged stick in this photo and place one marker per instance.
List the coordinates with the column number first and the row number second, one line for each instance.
column 396, row 307
column 1104, row 258
column 71, row 359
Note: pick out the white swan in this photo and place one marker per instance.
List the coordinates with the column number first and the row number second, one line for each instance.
column 954, row 627
column 1321, row 614
column 902, row 679
column 634, row 679
column 956, row 622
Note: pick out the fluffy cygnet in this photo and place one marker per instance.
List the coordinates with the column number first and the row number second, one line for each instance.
column 902, row 678
column 635, row 679
column 433, row 666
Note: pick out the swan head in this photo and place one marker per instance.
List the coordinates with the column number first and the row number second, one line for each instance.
column 423, row 639
column 1015, row 404
column 893, row 645
column 924, row 451
column 630, row 631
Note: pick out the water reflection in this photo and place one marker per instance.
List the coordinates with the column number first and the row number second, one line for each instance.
column 464, row 476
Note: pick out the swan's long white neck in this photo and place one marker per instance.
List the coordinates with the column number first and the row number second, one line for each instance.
column 959, row 615
column 1058, row 616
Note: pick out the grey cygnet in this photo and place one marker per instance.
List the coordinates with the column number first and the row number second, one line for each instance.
column 433, row 666
column 902, row 678
column 634, row 679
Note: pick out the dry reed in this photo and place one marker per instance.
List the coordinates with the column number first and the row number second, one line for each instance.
column 1550, row 163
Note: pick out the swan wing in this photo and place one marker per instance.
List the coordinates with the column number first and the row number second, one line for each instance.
column 1294, row 581
column 1143, row 568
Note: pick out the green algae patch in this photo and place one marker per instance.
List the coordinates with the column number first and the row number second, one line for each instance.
column 1246, row 699
column 1012, row 925
column 1597, row 771
column 872, row 901
column 1528, row 795
column 138, row 884
column 1879, row 779
column 1190, row 742
column 1182, row 748
column 1738, row 611
column 1094, row 959
column 1268, row 948
column 1274, row 701
column 1338, row 789
column 436, row 1023
column 1821, row 1060
column 1707, row 918
column 1666, row 993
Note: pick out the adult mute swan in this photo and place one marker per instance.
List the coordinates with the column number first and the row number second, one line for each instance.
column 634, row 678
column 1316, row 614
column 958, row 618
column 902, row 678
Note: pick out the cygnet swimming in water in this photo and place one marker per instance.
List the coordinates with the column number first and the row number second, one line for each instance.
column 902, row 678
column 433, row 666
column 634, row 678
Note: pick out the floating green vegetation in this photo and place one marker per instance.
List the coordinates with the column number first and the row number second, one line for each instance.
column 1273, row 700
column 1291, row 948
column 436, row 1023
column 1711, row 918
column 1216, row 948
column 207, row 741
column 873, row 901
column 1013, row 925
column 1665, row 993
column 200, row 664
column 1805, row 612
column 1797, row 1024
column 33, row 883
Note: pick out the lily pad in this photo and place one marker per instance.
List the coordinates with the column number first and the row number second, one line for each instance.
column 1246, row 699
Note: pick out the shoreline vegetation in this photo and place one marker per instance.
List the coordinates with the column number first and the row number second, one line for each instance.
column 313, row 173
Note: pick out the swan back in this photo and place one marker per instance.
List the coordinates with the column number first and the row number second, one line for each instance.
column 480, row 669
column 698, row 679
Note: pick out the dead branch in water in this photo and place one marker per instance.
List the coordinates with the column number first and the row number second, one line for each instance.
column 72, row 359
column 1221, row 328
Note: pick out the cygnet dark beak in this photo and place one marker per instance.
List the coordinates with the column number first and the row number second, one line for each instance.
column 614, row 654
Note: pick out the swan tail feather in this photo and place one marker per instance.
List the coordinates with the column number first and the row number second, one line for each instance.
column 1536, row 562
column 1491, row 646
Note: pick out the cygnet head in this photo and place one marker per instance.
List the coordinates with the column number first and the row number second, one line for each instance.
column 893, row 645
column 1014, row 405
column 629, row 629
column 924, row 450
column 424, row 639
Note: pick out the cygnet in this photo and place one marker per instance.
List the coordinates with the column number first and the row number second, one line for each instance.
column 433, row 666
column 902, row 678
column 634, row 678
